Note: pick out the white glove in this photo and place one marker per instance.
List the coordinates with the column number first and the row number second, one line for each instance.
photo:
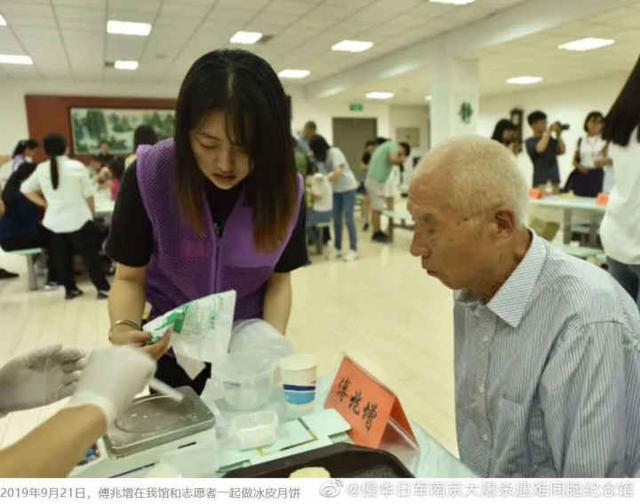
column 39, row 377
column 112, row 378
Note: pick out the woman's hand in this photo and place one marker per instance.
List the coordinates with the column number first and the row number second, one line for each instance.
column 140, row 339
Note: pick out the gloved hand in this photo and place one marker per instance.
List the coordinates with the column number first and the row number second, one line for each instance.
column 39, row 377
column 112, row 378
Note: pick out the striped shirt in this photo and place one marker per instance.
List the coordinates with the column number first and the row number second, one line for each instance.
column 548, row 372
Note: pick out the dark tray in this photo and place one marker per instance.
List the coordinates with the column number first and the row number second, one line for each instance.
column 342, row 460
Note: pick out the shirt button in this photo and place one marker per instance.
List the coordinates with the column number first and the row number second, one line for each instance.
column 481, row 389
column 485, row 437
column 485, row 339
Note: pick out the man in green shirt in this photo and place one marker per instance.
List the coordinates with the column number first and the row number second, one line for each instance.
column 380, row 166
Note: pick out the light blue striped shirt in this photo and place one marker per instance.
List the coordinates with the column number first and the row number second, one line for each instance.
column 548, row 372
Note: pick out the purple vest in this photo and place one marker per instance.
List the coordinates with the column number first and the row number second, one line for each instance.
column 185, row 266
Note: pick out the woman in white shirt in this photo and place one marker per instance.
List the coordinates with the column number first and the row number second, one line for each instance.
column 321, row 209
column 333, row 163
column 68, row 200
column 620, row 228
column 590, row 158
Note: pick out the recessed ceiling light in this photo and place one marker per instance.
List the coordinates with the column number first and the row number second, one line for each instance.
column 428, row 97
column 125, row 65
column 3, row 21
column 453, row 2
column 352, row 46
column 586, row 44
column 245, row 37
column 15, row 59
column 128, row 28
column 291, row 73
column 524, row 79
column 379, row 95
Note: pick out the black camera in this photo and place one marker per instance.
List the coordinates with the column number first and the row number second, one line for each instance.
column 563, row 127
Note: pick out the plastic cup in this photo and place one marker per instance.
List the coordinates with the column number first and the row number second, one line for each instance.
column 298, row 373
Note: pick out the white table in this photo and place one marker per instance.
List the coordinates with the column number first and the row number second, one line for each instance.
column 104, row 204
column 570, row 206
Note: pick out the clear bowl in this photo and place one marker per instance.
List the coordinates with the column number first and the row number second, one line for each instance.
column 247, row 379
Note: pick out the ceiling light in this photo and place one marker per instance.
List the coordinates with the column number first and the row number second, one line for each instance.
column 128, row 28
column 125, row 65
column 586, row 44
column 291, row 73
column 245, row 37
column 3, row 21
column 352, row 46
column 428, row 97
column 379, row 95
column 453, row 2
column 524, row 79
column 15, row 59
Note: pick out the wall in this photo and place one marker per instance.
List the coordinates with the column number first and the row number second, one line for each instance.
column 568, row 103
column 411, row 117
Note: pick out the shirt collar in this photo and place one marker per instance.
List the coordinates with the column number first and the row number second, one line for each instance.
column 512, row 299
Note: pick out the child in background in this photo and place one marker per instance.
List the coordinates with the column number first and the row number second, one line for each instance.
column 321, row 202
column 116, row 168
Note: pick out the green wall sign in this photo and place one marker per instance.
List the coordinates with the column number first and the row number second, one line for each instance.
column 356, row 107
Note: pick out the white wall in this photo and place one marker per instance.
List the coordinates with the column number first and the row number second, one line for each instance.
column 568, row 103
column 402, row 116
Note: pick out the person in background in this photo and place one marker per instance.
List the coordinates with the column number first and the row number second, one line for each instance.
column 308, row 131
column 620, row 228
column 590, row 158
column 321, row 207
column 104, row 156
column 503, row 133
column 24, row 151
column 369, row 147
column 227, row 187
column 116, row 168
column 332, row 162
column 301, row 159
column 69, row 211
column 546, row 346
column 100, row 392
column 4, row 274
column 143, row 135
column 544, row 149
column 20, row 226
column 380, row 167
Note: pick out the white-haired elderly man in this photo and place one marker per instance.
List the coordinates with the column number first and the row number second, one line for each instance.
column 547, row 347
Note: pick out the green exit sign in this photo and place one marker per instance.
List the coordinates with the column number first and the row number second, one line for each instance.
column 356, row 107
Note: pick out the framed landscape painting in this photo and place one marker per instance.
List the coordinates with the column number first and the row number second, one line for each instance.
column 92, row 126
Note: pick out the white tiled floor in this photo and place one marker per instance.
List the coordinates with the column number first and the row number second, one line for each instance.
column 382, row 310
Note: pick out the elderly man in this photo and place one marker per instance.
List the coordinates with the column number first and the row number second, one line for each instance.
column 547, row 347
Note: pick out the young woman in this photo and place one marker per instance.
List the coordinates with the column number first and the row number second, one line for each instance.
column 504, row 132
column 620, row 228
column 590, row 158
column 24, row 151
column 143, row 135
column 69, row 204
column 335, row 166
column 217, row 207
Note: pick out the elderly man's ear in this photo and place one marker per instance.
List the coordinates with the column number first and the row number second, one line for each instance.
column 504, row 222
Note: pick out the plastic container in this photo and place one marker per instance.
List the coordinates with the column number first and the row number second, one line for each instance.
column 253, row 430
column 247, row 379
column 197, row 461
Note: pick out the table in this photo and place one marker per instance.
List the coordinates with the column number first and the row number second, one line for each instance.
column 104, row 204
column 406, row 221
column 570, row 205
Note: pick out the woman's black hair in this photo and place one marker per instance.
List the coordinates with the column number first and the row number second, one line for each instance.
column 624, row 115
column 23, row 145
column 248, row 92
column 380, row 140
column 591, row 115
column 144, row 135
column 406, row 147
column 319, row 146
column 11, row 191
column 54, row 145
column 501, row 126
column 116, row 167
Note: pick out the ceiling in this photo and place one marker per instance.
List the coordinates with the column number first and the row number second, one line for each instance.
column 68, row 41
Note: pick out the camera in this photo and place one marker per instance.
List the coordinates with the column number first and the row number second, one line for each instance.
column 563, row 126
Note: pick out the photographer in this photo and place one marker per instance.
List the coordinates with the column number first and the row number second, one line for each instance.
column 544, row 149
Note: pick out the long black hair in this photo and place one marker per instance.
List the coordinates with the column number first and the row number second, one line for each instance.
column 11, row 191
column 319, row 146
column 247, row 90
column 54, row 145
column 624, row 115
column 501, row 126
column 23, row 145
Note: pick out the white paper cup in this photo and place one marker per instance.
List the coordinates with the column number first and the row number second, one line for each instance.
column 298, row 373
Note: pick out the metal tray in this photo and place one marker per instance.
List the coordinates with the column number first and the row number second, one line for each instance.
column 154, row 420
column 342, row 460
